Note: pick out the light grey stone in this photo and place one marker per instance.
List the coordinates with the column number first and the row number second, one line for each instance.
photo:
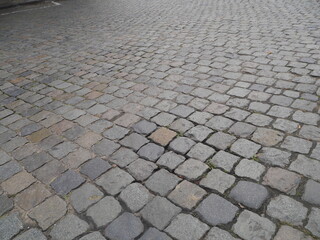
column 123, row 157
column 170, row 160
column 245, row 148
column 250, row 169
column 314, row 222
column 312, row 192
column 93, row 236
column 287, row 232
column 151, row 151
column 201, row 152
column 218, row 180
column 181, row 145
column 295, row 144
column 219, row 234
column 10, row 226
column 31, row 234
column 191, row 169
column 307, row 167
column 224, row 160
column 154, row 234
column 141, row 169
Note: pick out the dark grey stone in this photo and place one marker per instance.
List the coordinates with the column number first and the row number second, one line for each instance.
column 67, row 182
column 216, row 210
column 31, row 234
column 249, row 194
column 125, row 227
column 10, row 226
column 9, row 169
column 105, row 147
column 27, row 130
column 154, row 234
column 123, row 157
column 95, row 167
column 144, row 127
column 6, row 204
column 141, row 169
column 312, row 192
column 35, row 161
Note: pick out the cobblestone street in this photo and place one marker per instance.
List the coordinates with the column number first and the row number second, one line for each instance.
column 160, row 119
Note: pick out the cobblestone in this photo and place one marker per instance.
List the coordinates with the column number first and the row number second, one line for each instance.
column 133, row 118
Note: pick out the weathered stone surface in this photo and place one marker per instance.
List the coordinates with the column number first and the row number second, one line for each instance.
column 242, row 129
column 135, row 196
column 125, row 227
column 85, row 196
column 9, row 169
column 93, row 236
column 287, row 209
column 154, row 234
column 95, row 167
column 287, row 232
column 105, row 211
column 151, row 151
column 141, row 169
column 310, row 132
column 6, row 204
column 198, row 133
column 105, row 147
column 274, row 156
column 282, row 180
column 312, row 192
column 217, row 234
column 215, row 210
column 10, row 226
column 191, row 169
column 144, row 127
column 114, row 181
column 170, row 160
column 218, row 180
column 224, row 160
column 251, row 226
column 219, row 123
column 250, row 169
column 181, row 145
column 201, row 152
column 267, row 137
column 48, row 212
column 162, row 182
column 67, row 182
column 314, row 222
column 187, row 195
column 134, row 141
column 295, row 144
column 249, row 194
column 69, row 228
column 31, row 234
column 307, row 167
column 186, row 227
column 163, row 136
column 245, row 148
column 159, row 212
column 123, row 157
column 32, row 196
column 221, row 140
column 17, row 183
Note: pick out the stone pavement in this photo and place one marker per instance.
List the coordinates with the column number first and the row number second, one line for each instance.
column 160, row 119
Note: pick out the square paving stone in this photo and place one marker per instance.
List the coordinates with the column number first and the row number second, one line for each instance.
column 287, row 232
column 217, row 234
column 224, row 160
column 220, row 140
column 186, row 227
column 181, row 125
column 48, row 172
column 31, row 234
column 144, row 127
column 135, row 196
column 85, row 196
column 10, row 226
column 198, row 133
column 263, row 227
column 163, row 136
column 219, row 123
column 105, row 147
column 17, row 183
column 170, row 160
column 250, row 169
column 242, row 129
column 182, row 111
column 187, row 195
column 141, row 169
column 95, row 167
column 249, row 194
column 67, row 182
column 201, row 152
column 126, row 227
column 32, row 196
column 88, row 139
column 162, row 182
column 115, row 180
column 105, row 211
column 200, row 117
column 154, row 234
column 307, row 167
column 267, row 137
column 312, row 192
column 93, row 236
column 287, row 209
column 9, row 169
column 259, row 120
column 115, row 133
column 159, row 212
column 245, row 148
column 181, row 145
column 151, row 151
column 295, row 144
column 134, row 141
column 123, row 157
column 69, row 228
column 274, row 156
column 314, row 222
column 218, row 180
column 191, row 169
column 48, row 212
column 215, row 210
column 216, row 108
column 283, row 180
column 6, row 204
